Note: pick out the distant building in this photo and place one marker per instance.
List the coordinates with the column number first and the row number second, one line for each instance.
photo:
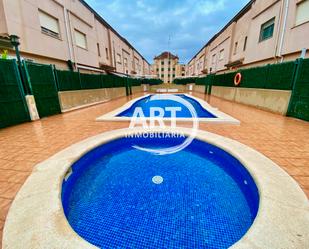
column 166, row 67
column 262, row 32
column 68, row 33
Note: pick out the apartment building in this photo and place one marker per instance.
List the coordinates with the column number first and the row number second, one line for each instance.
column 63, row 31
column 166, row 67
column 264, row 31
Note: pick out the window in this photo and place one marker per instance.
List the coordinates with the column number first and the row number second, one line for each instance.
column 173, row 75
column 221, row 55
column 213, row 58
column 118, row 58
column 174, row 69
column 245, row 43
column 80, row 39
column 169, row 62
column 169, row 69
column 235, row 47
column 49, row 25
column 267, row 30
column 157, row 69
column 98, row 48
column 162, row 62
column 162, row 75
column 106, row 52
column 302, row 12
column 125, row 62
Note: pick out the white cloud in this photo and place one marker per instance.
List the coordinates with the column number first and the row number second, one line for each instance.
column 208, row 7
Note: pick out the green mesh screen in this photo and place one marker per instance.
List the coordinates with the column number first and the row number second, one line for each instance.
column 299, row 104
column 42, row 81
column 226, row 79
column 276, row 76
column 13, row 109
column 68, row 80
column 153, row 82
column 185, row 81
column 90, row 81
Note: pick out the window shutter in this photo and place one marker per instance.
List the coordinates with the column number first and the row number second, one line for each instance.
column 49, row 22
column 302, row 12
column 80, row 39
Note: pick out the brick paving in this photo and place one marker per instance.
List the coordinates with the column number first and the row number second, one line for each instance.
column 284, row 140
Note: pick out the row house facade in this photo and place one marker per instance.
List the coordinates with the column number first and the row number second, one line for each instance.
column 64, row 32
column 167, row 67
column 264, row 31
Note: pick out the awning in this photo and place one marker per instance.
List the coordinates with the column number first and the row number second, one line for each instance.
column 234, row 63
column 5, row 41
column 107, row 67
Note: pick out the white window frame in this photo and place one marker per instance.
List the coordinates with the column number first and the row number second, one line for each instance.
column 76, row 34
column 303, row 8
column 213, row 59
column 221, row 54
column 118, row 58
column 49, row 24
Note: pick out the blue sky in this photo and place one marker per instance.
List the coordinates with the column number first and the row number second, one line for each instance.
column 148, row 24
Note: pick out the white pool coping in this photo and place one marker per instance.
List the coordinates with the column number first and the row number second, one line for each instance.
column 222, row 118
column 36, row 219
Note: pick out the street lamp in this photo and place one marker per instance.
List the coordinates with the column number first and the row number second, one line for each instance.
column 15, row 42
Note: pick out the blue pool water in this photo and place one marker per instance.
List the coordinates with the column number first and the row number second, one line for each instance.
column 120, row 197
column 146, row 103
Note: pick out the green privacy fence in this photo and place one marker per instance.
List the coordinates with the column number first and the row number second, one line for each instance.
column 185, row 81
column 153, row 82
column 42, row 80
column 299, row 103
column 69, row 81
column 276, row 76
column 13, row 108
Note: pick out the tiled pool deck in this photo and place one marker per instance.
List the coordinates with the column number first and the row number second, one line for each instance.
column 284, row 140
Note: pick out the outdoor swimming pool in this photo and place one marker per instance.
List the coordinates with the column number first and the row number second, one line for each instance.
column 120, row 197
column 148, row 102
column 188, row 108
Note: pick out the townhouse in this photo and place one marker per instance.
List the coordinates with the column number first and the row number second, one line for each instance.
column 166, row 67
column 264, row 31
column 68, row 33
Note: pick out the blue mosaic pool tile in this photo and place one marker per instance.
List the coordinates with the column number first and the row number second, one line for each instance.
column 111, row 201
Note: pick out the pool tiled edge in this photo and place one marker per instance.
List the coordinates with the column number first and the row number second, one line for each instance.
column 221, row 117
column 36, row 216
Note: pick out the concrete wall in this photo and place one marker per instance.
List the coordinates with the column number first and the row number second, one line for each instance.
column 180, row 88
column 70, row 100
column 137, row 89
column 276, row 101
column 199, row 89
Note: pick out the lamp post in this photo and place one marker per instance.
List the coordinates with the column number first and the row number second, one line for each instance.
column 15, row 42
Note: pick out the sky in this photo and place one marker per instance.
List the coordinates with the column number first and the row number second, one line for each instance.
column 180, row 26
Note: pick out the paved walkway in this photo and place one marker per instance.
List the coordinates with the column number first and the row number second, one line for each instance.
column 284, row 140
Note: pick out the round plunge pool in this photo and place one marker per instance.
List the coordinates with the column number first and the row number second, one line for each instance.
column 119, row 197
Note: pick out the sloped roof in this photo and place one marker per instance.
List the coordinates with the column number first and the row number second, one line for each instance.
column 166, row 55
